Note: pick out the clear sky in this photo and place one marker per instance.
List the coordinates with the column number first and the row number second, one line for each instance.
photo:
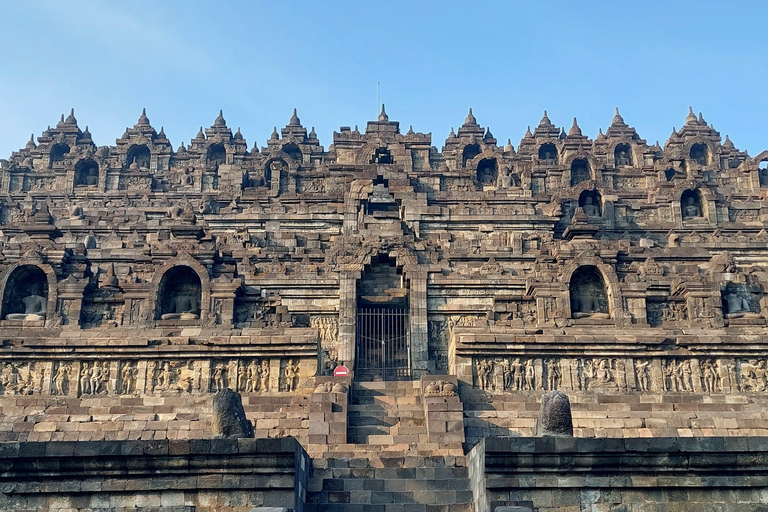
column 184, row 61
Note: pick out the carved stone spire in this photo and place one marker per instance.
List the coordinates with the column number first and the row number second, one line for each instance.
column 200, row 134
column 31, row 144
column 470, row 119
column 71, row 118
column 575, row 130
column 383, row 117
column 617, row 119
column 220, row 119
column 691, row 118
column 274, row 135
column 143, row 119
column 294, row 121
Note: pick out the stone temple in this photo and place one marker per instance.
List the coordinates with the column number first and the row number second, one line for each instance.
column 620, row 282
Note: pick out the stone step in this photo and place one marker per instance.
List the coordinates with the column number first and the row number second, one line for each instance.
column 435, row 487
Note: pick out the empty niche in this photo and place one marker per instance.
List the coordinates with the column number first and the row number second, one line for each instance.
column 217, row 155
column 293, row 151
column 580, row 171
column 470, row 152
column 57, row 154
column 700, row 154
column 762, row 170
column 381, row 156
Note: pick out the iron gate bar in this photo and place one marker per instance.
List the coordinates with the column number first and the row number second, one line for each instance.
column 383, row 348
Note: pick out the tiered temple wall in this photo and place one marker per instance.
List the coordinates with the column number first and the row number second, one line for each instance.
column 137, row 279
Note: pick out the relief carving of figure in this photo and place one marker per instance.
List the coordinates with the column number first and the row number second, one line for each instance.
column 690, row 208
column 219, row 380
column 61, row 379
column 252, row 377
column 188, row 378
column 264, row 376
column 641, row 367
column 553, row 375
column 85, row 379
column 128, row 376
column 530, row 376
column 484, row 374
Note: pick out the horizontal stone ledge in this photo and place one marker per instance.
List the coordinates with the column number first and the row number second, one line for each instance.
column 719, row 456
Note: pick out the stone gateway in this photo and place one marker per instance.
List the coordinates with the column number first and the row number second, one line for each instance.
column 459, row 286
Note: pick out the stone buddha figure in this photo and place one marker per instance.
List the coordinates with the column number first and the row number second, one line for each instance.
column 590, row 208
column 181, row 300
column 738, row 303
column 690, row 208
column 35, row 305
column 183, row 306
column 588, row 299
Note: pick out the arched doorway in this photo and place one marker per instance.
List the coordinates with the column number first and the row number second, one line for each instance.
column 383, row 336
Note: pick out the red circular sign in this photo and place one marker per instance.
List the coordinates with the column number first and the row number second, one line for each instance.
column 341, row 371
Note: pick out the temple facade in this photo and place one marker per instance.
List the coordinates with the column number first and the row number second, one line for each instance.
column 138, row 279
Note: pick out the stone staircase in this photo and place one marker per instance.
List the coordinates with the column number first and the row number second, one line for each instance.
column 389, row 463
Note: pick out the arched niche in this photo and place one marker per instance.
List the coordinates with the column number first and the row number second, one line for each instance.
column 548, row 154
column 293, row 151
column 180, row 294
column 26, row 294
column 691, row 204
column 700, row 153
column 762, row 172
column 590, row 202
column 57, row 154
column 275, row 169
column 580, row 171
column 622, row 155
column 382, row 156
column 588, row 293
column 216, row 155
column 139, row 154
column 669, row 174
column 487, row 171
column 470, row 151
column 86, row 173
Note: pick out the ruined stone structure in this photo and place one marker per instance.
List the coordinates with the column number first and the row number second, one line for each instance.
column 458, row 285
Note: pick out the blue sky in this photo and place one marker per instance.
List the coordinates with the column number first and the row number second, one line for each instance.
column 184, row 61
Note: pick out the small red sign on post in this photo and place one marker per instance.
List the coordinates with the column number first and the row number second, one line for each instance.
column 341, row 371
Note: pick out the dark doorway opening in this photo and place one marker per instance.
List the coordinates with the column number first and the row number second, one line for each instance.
column 383, row 333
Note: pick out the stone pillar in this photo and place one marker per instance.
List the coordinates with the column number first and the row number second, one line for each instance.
column 70, row 295
column 443, row 409
column 347, row 317
column 418, row 321
column 328, row 411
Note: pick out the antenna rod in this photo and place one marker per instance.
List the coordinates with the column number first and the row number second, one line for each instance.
column 378, row 98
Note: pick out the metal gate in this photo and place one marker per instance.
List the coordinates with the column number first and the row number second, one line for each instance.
column 383, row 344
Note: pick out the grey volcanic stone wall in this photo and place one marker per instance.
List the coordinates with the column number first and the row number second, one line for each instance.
column 173, row 476
column 631, row 475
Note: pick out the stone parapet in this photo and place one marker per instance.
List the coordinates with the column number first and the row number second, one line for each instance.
column 571, row 474
column 207, row 475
